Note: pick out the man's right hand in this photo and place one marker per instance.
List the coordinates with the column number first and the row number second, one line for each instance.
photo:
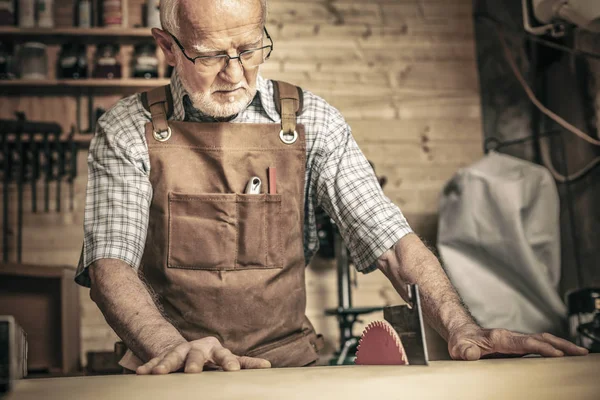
column 193, row 356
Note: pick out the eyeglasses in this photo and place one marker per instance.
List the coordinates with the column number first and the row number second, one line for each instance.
column 250, row 58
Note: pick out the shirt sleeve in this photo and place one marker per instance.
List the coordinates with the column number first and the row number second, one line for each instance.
column 118, row 194
column 349, row 192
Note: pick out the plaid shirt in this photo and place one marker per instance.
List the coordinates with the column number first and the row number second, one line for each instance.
column 338, row 177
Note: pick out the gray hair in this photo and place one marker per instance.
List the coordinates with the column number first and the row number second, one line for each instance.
column 169, row 18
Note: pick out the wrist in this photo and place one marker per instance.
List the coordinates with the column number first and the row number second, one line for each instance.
column 155, row 339
column 463, row 328
column 456, row 319
column 165, row 345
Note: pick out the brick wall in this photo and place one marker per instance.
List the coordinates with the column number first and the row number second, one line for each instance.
column 402, row 73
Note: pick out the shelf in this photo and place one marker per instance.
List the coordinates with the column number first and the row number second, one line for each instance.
column 82, row 140
column 62, row 86
column 92, row 82
column 81, row 35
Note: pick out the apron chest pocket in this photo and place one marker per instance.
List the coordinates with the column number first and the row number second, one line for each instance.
column 224, row 231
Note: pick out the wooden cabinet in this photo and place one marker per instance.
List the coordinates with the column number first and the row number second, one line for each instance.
column 45, row 302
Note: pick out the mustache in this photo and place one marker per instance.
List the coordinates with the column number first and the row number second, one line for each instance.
column 219, row 88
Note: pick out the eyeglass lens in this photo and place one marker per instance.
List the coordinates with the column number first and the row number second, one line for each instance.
column 249, row 58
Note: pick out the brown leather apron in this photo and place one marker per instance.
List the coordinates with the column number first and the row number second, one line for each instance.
column 223, row 263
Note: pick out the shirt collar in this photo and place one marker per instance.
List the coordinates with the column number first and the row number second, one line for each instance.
column 183, row 109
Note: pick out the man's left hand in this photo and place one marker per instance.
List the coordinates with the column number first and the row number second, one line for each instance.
column 471, row 342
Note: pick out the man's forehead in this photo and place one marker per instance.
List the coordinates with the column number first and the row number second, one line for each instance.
column 219, row 15
column 213, row 22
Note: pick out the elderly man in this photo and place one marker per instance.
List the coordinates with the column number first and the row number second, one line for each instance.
column 191, row 263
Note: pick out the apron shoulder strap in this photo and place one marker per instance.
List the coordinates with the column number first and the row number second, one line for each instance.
column 288, row 103
column 159, row 102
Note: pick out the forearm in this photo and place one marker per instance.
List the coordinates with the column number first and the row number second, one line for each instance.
column 411, row 262
column 130, row 309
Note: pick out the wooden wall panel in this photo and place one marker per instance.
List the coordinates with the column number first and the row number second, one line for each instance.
column 403, row 74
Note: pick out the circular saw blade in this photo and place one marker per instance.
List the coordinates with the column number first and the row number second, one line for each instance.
column 380, row 345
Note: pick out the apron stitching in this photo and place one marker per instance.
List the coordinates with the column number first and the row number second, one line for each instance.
column 169, row 232
column 237, row 233
column 279, row 259
column 202, row 199
column 265, row 237
column 162, row 147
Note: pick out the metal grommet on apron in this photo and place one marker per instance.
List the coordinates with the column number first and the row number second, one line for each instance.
column 159, row 102
column 289, row 97
column 162, row 136
column 288, row 137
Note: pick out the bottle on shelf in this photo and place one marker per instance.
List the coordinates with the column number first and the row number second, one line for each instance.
column 145, row 62
column 84, row 14
column 107, row 62
column 153, row 13
column 45, row 13
column 7, row 12
column 7, row 61
column 112, row 13
column 72, row 63
column 33, row 61
column 26, row 13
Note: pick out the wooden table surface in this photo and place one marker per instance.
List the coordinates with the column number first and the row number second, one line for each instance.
column 572, row 378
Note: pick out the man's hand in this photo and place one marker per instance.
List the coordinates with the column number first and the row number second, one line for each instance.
column 193, row 356
column 471, row 343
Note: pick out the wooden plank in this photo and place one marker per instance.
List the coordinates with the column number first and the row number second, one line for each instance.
column 70, row 33
column 434, row 153
column 443, row 28
column 85, row 83
column 399, row 106
column 555, row 378
column 416, row 130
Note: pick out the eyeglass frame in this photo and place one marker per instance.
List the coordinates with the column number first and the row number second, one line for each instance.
column 229, row 58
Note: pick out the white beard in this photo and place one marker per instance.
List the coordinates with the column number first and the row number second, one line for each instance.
column 203, row 102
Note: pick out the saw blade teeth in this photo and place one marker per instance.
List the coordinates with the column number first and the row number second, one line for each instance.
column 380, row 336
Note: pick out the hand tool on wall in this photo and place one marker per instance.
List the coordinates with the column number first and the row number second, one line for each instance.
column 60, row 168
column 48, row 171
column 20, row 162
column 7, row 167
column 34, row 161
column 22, row 158
column 72, row 170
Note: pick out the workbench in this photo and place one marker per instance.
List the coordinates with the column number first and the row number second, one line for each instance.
column 573, row 378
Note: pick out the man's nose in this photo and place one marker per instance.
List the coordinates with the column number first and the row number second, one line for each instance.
column 233, row 72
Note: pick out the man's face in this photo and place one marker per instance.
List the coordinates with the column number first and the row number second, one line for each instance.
column 209, row 27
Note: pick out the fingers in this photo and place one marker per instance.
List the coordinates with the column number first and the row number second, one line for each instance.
column 147, row 368
column 253, row 363
column 225, row 359
column 466, row 351
column 195, row 361
column 570, row 349
column 503, row 343
column 173, row 360
column 530, row 344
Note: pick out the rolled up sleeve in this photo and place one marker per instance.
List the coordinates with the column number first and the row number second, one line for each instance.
column 349, row 192
column 118, row 194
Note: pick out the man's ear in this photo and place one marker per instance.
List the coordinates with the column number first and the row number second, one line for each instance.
column 165, row 42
